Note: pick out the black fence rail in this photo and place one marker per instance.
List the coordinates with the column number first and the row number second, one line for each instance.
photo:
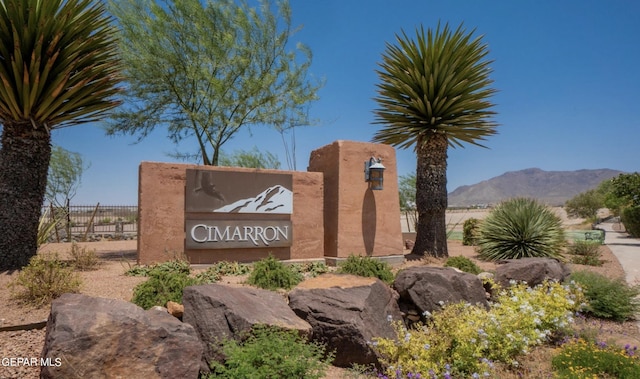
column 91, row 222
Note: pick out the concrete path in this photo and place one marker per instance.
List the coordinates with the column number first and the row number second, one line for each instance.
column 626, row 249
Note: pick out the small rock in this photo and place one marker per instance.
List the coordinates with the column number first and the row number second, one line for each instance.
column 175, row 309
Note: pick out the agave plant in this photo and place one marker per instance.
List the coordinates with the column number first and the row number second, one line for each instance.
column 521, row 228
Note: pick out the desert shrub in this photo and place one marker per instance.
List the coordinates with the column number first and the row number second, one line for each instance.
column 521, row 228
column 585, row 253
column 579, row 359
column 269, row 273
column 470, row 232
column 82, row 258
column 162, row 286
column 463, row 340
column 208, row 276
column 180, row 266
column 223, row 268
column 312, row 269
column 464, row 264
column 230, row 268
column 46, row 225
column 271, row 352
column 630, row 217
column 367, row 267
column 607, row 298
column 44, row 279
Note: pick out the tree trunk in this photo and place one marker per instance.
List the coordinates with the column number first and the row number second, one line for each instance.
column 24, row 162
column 431, row 197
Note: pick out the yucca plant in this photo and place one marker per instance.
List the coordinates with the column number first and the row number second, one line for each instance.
column 434, row 93
column 521, row 228
column 58, row 67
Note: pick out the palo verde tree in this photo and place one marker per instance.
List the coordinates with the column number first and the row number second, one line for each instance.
column 253, row 158
column 58, row 67
column 205, row 69
column 434, row 93
column 63, row 180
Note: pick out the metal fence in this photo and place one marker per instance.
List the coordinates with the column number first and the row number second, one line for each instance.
column 85, row 222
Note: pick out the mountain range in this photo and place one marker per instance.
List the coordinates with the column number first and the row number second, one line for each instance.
column 549, row 187
column 276, row 199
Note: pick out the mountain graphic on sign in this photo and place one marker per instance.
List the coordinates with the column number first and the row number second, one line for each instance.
column 276, row 199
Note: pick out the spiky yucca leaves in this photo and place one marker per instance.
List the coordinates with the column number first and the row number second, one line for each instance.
column 434, row 93
column 58, row 67
column 58, row 63
column 521, row 228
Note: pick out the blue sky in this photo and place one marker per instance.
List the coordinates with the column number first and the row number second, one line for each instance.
column 566, row 71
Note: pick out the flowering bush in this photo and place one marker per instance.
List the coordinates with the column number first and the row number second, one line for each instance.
column 580, row 359
column 463, row 340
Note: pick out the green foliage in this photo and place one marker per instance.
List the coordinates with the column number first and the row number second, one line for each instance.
column 59, row 63
column 407, row 192
column 627, row 187
column 585, row 205
column 208, row 69
column 44, row 279
column 270, row 353
column 162, row 286
column 83, row 259
column 631, row 219
column 253, row 158
column 579, row 359
column 521, row 228
column 179, row 266
column 412, row 108
column 470, row 232
column 63, row 179
column 313, row 269
column 269, row 273
column 464, row 339
column 46, row 225
column 608, row 298
column 585, row 253
column 464, row 264
column 367, row 267
column 223, row 268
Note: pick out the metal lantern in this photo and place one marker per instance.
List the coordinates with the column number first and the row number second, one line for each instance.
column 374, row 173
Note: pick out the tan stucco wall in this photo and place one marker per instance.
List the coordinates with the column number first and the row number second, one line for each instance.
column 161, row 207
column 358, row 220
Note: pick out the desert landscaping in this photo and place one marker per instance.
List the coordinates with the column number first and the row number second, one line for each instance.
column 116, row 257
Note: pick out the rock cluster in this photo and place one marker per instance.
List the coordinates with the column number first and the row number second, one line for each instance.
column 93, row 336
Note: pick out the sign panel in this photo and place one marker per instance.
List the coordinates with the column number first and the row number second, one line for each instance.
column 227, row 210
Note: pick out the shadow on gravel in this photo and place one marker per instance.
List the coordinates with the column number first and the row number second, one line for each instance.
column 118, row 255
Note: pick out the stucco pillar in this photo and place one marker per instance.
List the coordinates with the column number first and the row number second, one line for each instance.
column 358, row 220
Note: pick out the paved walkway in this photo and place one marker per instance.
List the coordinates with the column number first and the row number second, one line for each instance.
column 626, row 249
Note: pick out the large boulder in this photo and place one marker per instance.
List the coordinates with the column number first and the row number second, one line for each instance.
column 426, row 289
column 346, row 312
column 219, row 312
column 109, row 338
column 531, row 270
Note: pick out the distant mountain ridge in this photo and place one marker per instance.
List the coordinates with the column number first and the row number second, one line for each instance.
column 549, row 187
column 276, row 199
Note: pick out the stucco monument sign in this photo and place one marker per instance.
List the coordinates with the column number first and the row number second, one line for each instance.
column 230, row 210
column 210, row 214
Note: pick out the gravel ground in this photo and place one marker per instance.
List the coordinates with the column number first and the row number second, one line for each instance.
column 109, row 281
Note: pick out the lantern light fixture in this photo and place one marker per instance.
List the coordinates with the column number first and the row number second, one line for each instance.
column 374, row 173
